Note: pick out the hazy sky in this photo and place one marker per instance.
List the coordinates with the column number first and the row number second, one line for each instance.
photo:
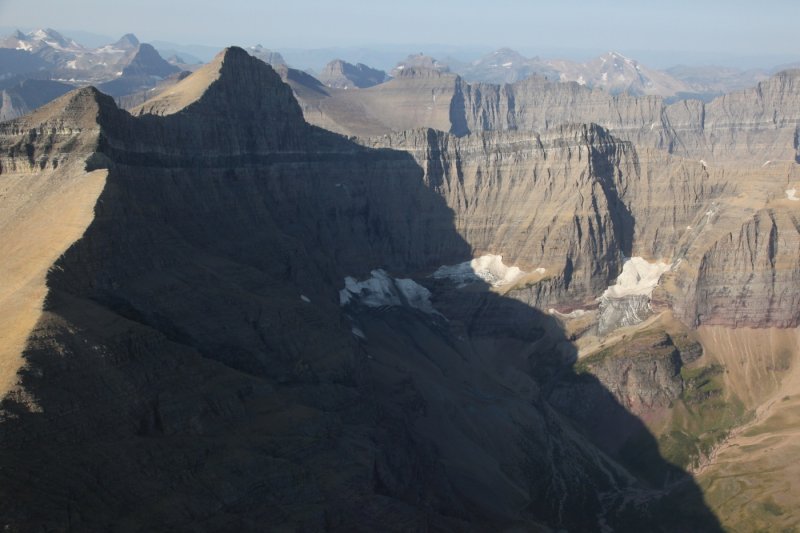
column 736, row 27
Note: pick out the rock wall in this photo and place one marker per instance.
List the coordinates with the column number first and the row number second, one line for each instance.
column 748, row 277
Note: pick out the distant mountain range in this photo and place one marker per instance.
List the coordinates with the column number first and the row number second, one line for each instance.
column 128, row 69
column 40, row 65
column 613, row 72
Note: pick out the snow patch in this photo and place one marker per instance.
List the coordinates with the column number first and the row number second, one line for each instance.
column 305, row 298
column 703, row 162
column 766, row 163
column 577, row 313
column 638, row 278
column 382, row 290
column 358, row 333
column 508, row 64
column 488, row 268
column 791, row 195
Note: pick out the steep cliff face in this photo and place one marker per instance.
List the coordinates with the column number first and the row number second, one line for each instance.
column 542, row 202
column 748, row 277
column 193, row 343
column 757, row 124
column 573, row 202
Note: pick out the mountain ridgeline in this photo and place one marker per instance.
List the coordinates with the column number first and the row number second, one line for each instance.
column 247, row 322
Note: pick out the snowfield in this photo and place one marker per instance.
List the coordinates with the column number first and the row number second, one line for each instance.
column 488, row 268
column 638, row 278
column 381, row 290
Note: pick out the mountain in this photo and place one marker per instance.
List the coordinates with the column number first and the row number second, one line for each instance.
column 123, row 68
column 613, row 73
column 417, row 62
column 506, row 66
column 691, row 128
column 343, row 75
column 131, row 100
column 198, row 283
column 19, row 62
column 29, row 94
column 127, row 42
column 143, row 72
column 64, row 59
column 267, row 56
column 531, row 305
column 38, row 40
column 616, row 73
column 147, row 62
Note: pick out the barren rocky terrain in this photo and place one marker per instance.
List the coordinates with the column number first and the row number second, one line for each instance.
column 422, row 304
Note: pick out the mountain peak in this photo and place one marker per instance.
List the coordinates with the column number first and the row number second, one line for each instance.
column 612, row 55
column 419, row 65
column 148, row 62
column 234, row 84
column 232, row 57
column 46, row 33
column 52, row 38
column 127, row 41
column 80, row 109
column 341, row 74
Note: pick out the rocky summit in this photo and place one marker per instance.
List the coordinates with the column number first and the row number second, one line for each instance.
column 256, row 301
